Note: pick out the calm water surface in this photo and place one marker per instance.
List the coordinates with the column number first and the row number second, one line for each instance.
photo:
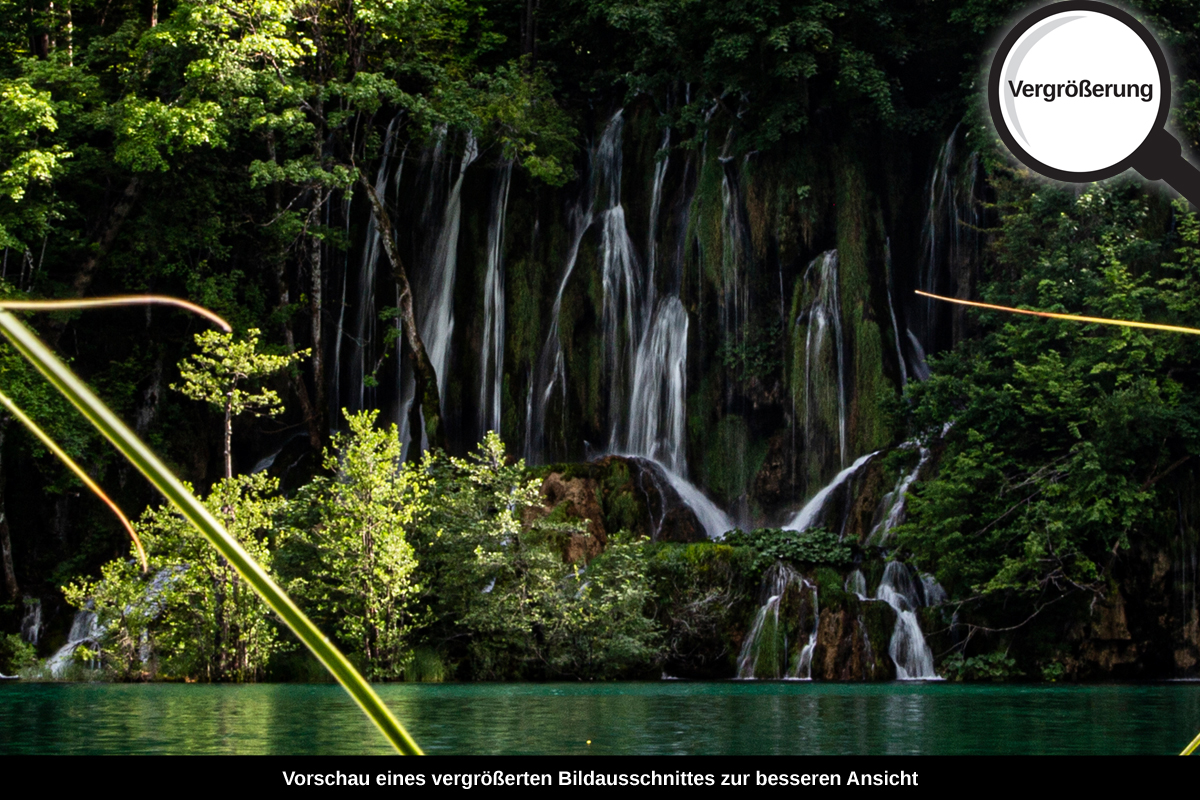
column 668, row 717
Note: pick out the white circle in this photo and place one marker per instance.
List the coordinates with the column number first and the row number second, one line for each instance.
column 1112, row 74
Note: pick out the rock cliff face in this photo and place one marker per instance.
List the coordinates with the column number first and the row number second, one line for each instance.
column 734, row 318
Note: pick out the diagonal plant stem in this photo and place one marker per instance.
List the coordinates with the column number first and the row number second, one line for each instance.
column 53, row 447
column 157, row 473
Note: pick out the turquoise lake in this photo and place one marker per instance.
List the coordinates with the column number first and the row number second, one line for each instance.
column 619, row 718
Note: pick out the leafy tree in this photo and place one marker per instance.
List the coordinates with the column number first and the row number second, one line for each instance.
column 350, row 556
column 213, row 375
column 26, row 116
column 15, row 653
column 1070, row 442
column 499, row 592
column 190, row 615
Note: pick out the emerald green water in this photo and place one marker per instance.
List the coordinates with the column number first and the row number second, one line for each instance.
column 669, row 717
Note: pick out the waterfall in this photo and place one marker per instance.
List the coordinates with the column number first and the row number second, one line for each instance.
column 550, row 372
column 660, row 176
column 437, row 307
column 919, row 366
column 887, row 268
column 824, row 363
column 715, row 521
column 656, row 418
column 623, row 290
column 736, row 240
column 935, row 595
column 31, row 621
column 491, row 370
column 336, row 383
column 896, row 500
column 765, row 653
column 815, row 511
column 803, row 668
column 856, row 582
column 908, row 649
column 645, row 354
column 84, row 629
column 949, row 239
column 434, row 293
column 658, row 402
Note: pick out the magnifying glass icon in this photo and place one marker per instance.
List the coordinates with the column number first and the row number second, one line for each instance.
column 1080, row 92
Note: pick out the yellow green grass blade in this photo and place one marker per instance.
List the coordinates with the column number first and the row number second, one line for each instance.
column 53, row 447
column 117, row 300
column 1191, row 748
column 1125, row 323
column 157, row 473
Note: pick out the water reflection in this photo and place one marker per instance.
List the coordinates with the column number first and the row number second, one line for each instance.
column 669, row 717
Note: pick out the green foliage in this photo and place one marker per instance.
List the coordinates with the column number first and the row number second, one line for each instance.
column 356, row 566
column 799, row 547
column 987, row 667
column 767, row 67
column 501, row 596
column 1053, row 672
column 754, row 355
column 1068, row 439
column 704, row 597
column 16, row 654
column 26, row 116
column 213, row 375
column 191, row 615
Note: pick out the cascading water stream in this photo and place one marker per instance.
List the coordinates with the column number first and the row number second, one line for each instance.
column 550, row 372
column 31, row 621
column 856, row 582
column 950, row 242
column 84, row 629
column 824, row 365
column 896, row 500
column 816, row 511
column 645, row 354
column 803, row 668
column 492, row 367
column 623, row 289
column 435, row 291
column 908, row 649
column 765, row 653
column 887, row 268
column 657, row 408
column 437, row 307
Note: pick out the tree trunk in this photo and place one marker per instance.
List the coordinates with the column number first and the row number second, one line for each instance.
column 426, row 378
column 315, row 300
column 83, row 278
column 39, row 33
column 229, row 437
column 311, row 419
column 96, row 253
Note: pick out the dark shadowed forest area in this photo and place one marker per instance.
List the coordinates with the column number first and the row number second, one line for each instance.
column 578, row 339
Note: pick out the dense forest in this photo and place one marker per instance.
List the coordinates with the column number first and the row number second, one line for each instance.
column 579, row 339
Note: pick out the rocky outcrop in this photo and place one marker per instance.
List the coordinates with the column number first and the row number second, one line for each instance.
column 611, row 495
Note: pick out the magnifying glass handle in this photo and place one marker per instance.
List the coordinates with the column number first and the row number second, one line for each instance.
column 1160, row 158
